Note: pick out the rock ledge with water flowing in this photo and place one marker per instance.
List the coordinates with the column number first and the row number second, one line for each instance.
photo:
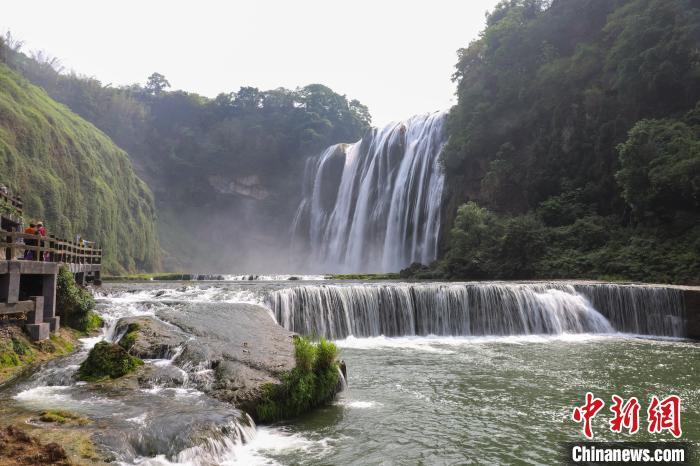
column 227, row 350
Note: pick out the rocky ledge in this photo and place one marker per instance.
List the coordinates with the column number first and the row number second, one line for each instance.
column 235, row 353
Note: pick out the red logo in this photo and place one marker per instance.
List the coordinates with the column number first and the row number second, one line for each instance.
column 662, row 415
column 626, row 415
column 587, row 412
column 665, row 415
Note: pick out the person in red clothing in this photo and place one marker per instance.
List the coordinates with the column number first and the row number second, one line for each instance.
column 30, row 230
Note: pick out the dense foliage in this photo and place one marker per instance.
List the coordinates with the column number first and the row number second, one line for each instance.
column 75, row 305
column 576, row 138
column 72, row 176
column 208, row 159
column 313, row 382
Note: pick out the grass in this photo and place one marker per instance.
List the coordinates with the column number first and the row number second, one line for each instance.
column 313, row 382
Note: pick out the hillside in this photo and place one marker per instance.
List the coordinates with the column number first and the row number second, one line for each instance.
column 225, row 172
column 576, row 141
column 73, row 176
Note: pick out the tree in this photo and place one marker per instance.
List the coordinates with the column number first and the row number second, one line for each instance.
column 660, row 168
column 156, row 84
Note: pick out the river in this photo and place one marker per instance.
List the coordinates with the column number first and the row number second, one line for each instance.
column 412, row 398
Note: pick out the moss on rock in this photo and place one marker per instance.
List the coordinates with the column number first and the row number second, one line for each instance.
column 62, row 417
column 313, row 382
column 107, row 361
column 130, row 337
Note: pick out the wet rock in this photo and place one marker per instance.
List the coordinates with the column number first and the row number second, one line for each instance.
column 240, row 343
column 148, row 338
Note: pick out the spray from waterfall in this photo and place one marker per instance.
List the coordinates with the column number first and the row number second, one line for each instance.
column 374, row 205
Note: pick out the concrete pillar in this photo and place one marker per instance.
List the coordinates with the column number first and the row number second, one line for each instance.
column 37, row 315
column 9, row 283
column 49, row 292
column 37, row 329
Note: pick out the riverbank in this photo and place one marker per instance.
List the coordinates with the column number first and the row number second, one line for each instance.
column 18, row 354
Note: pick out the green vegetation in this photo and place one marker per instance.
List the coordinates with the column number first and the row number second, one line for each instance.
column 577, row 140
column 6, row 208
column 107, row 361
column 75, row 304
column 206, row 158
column 313, row 382
column 73, row 177
column 129, row 338
column 62, row 417
column 17, row 353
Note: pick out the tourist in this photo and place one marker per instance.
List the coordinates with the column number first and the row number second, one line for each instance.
column 30, row 230
column 41, row 230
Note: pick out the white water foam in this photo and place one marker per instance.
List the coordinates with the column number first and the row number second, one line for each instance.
column 437, row 344
column 358, row 404
column 273, row 278
column 260, row 449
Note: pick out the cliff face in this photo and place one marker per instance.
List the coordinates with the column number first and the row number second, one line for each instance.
column 72, row 176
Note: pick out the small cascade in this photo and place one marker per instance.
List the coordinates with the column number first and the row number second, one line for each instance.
column 476, row 309
column 374, row 205
column 639, row 309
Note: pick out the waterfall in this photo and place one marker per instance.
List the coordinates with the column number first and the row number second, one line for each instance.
column 374, row 205
column 465, row 309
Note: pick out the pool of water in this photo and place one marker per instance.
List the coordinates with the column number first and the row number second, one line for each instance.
column 410, row 400
column 488, row 400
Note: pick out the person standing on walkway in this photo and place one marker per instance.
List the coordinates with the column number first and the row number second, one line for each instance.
column 41, row 230
column 30, row 230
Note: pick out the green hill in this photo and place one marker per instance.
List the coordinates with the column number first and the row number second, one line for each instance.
column 73, row 176
column 575, row 143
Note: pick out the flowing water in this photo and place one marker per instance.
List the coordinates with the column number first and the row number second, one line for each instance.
column 374, row 205
column 437, row 373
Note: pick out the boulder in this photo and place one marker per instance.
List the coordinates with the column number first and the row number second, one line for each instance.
column 148, row 338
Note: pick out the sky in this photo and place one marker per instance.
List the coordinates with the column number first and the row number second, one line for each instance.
column 396, row 57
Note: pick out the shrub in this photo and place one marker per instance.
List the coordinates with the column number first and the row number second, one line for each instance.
column 107, row 361
column 75, row 304
column 313, row 382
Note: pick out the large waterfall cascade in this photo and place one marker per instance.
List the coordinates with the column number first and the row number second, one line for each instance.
column 374, row 205
column 475, row 309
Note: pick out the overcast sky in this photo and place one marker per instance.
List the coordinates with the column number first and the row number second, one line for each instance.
column 396, row 57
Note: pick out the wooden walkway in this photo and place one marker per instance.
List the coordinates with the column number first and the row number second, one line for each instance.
column 30, row 267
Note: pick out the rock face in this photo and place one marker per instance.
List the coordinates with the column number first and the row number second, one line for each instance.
column 239, row 348
column 152, row 338
column 241, row 343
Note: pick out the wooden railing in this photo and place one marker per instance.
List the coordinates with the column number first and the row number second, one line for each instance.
column 48, row 248
column 13, row 201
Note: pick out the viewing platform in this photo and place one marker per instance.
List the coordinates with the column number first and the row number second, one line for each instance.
column 29, row 265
